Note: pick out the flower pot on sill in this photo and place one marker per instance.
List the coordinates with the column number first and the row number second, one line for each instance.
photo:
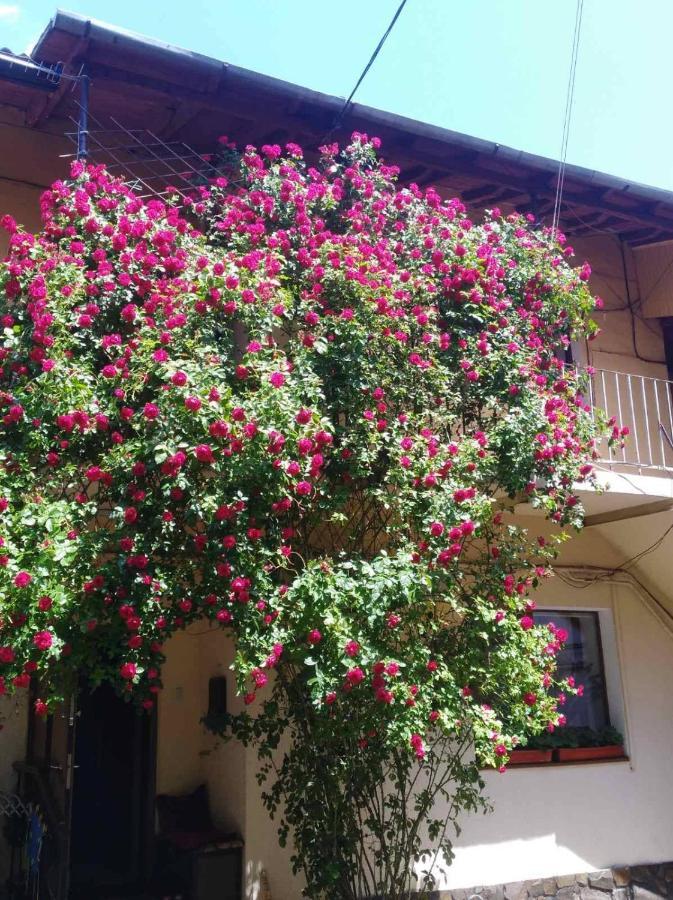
column 577, row 754
column 527, row 757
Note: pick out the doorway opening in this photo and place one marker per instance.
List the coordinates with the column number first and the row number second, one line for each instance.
column 667, row 332
column 112, row 825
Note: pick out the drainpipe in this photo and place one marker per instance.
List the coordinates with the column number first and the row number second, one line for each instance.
column 83, row 123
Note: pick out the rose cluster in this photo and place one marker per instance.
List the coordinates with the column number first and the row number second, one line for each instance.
column 299, row 408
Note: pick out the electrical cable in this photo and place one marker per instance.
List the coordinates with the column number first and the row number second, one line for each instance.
column 575, row 577
column 340, row 117
column 661, row 277
column 624, row 567
column 630, row 304
column 570, row 96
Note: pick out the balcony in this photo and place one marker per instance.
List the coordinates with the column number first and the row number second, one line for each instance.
column 643, row 405
column 637, row 479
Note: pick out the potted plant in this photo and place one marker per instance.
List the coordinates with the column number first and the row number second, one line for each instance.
column 582, row 744
column 538, row 749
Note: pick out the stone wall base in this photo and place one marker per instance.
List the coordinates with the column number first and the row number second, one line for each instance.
column 646, row 882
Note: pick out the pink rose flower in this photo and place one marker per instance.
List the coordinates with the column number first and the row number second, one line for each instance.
column 22, row 579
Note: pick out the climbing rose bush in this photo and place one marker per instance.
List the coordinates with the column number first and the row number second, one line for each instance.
column 301, row 408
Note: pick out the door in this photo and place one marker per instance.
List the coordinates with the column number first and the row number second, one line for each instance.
column 112, row 803
column 47, row 782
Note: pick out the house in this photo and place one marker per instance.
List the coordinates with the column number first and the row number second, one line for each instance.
column 152, row 111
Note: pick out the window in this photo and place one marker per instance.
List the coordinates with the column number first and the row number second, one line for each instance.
column 581, row 657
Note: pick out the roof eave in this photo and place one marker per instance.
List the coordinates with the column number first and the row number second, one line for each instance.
column 81, row 28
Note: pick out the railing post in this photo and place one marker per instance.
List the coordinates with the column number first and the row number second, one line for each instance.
column 647, row 423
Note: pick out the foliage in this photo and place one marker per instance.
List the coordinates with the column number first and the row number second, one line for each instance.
column 307, row 421
column 576, row 736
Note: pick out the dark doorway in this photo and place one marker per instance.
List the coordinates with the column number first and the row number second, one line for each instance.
column 113, row 797
column 667, row 331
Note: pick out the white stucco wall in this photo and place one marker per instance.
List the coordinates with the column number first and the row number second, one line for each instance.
column 263, row 852
column 187, row 753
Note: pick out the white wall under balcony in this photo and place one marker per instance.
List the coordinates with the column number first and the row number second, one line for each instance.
column 650, row 539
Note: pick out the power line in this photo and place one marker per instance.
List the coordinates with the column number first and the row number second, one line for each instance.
column 570, row 95
column 580, row 577
column 607, row 573
column 340, row 117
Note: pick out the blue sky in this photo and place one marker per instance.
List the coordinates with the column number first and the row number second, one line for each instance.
column 496, row 69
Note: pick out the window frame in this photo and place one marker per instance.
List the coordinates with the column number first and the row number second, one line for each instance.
column 610, row 649
column 594, row 614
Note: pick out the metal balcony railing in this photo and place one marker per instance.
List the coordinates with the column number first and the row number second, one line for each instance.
column 643, row 405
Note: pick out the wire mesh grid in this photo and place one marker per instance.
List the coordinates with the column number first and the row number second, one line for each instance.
column 152, row 166
column 12, row 805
